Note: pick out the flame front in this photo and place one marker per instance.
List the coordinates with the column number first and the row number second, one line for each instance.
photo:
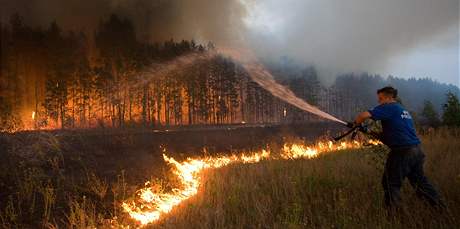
column 150, row 205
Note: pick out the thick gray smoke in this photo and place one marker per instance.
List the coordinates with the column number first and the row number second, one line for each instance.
column 335, row 35
column 360, row 35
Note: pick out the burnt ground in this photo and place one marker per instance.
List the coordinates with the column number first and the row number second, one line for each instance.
column 108, row 151
column 73, row 162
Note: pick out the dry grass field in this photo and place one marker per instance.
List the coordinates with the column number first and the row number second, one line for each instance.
column 52, row 189
column 336, row 190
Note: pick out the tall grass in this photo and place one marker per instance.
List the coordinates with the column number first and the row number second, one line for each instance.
column 336, row 190
column 44, row 184
column 37, row 190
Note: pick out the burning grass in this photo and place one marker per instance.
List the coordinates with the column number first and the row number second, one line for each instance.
column 341, row 189
column 151, row 204
column 335, row 190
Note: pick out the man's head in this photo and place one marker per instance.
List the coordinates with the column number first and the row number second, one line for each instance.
column 387, row 95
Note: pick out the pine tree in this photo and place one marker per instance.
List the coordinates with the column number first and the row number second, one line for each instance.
column 429, row 115
column 451, row 116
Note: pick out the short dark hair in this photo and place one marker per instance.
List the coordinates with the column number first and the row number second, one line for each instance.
column 390, row 91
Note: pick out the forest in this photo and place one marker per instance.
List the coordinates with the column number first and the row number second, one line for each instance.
column 51, row 78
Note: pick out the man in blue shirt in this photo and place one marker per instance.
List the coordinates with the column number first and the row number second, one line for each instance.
column 406, row 157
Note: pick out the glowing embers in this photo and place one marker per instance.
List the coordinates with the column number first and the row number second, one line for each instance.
column 150, row 204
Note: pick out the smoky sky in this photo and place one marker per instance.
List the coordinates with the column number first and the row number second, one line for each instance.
column 158, row 20
column 407, row 38
column 391, row 36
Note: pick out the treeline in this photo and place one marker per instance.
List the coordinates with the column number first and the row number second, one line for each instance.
column 430, row 102
column 51, row 78
column 351, row 93
column 56, row 79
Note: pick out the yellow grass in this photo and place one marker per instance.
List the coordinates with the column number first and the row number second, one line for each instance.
column 336, row 190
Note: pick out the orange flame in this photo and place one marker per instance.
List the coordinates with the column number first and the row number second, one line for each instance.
column 150, row 205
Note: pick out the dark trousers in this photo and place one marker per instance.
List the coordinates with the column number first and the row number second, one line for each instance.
column 407, row 162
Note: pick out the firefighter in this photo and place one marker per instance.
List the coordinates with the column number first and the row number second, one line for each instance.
column 406, row 158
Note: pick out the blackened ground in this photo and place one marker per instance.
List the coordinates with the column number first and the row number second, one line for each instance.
column 111, row 150
column 46, row 176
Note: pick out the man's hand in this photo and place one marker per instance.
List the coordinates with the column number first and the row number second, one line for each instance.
column 362, row 117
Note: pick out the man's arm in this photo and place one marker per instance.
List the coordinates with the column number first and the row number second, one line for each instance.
column 363, row 116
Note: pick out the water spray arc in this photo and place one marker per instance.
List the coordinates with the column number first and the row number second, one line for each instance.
column 256, row 71
column 262, row 77
column 265, row 79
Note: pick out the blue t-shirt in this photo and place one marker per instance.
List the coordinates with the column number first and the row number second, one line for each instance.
column 397, row 124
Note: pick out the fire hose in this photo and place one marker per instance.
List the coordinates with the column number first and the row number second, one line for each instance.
column 353, row 131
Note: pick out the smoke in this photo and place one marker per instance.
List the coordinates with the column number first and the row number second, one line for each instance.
column 155, row 20
column 356, row 35
column 334, row 35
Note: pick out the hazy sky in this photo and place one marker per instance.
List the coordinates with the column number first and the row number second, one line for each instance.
column 405, row 38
